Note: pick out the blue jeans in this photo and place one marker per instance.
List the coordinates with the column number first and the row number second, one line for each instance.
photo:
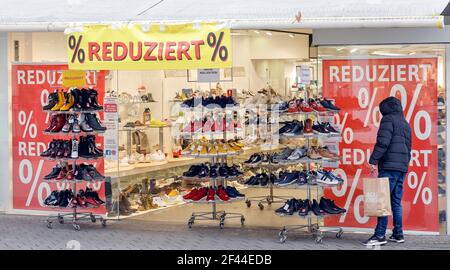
column 396, row 186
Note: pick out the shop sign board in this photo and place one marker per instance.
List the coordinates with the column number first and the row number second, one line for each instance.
column 155, row 46
column 74, row 78
column 358, row 86
column 208, row 75
column 304, row 74
column 31, row 85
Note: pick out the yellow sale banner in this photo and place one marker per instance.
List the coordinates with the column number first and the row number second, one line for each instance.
column 74, row 78
column 137, row 47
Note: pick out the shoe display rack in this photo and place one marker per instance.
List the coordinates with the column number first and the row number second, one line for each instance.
column 214, row 214
column 78, row 104
column 312, row 227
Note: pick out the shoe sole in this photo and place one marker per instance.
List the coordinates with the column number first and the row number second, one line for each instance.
column 375, row 244
column 397, row 241
column 286, row 184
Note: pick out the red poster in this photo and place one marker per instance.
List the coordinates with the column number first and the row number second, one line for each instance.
column 31, row 85
column 358, row 86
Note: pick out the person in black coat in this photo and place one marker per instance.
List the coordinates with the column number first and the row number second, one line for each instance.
column 391, row 153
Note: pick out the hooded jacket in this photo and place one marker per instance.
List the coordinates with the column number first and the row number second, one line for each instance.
column 392, row 150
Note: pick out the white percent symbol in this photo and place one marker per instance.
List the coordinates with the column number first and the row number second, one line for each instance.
column 347, row 132
column 26, row 176
column 25, row 120
column 424, row 192
column 44, row 100
column 365, row 101
column 420, row 115
column 341, row 191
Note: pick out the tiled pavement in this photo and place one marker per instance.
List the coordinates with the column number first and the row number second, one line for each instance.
column 30, row 232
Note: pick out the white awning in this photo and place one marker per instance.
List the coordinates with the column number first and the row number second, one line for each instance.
column 55, row 15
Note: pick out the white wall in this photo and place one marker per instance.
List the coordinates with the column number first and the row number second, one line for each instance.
column 5, row 125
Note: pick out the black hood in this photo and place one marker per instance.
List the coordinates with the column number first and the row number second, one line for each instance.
column 391, row 105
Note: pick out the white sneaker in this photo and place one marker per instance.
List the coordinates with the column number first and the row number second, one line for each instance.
column 132, row 159
column 140, row 158
column 158, row 201
column 124, row 161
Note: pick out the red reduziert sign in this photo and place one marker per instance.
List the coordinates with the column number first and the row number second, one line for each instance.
column 31, row 85
column 358, row 86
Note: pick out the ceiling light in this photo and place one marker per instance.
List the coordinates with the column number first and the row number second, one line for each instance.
column 412, row 53
column 384, row 53
column 353, row 50
column 269, row 33
column 291, row 35
column 256, row 32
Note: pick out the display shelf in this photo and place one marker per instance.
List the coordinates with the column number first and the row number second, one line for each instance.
column 82, row 133
column 72, row 159
column 116, row 173
column 294, row 186
column 72, row 181
column 313, row 136
column 309, row 215
column 72, row 112
column 71, row 208
column 327, row 113
column 207, row 179
column 288, row 164
column 140, row 128
column 139, row 213
column 216, row 201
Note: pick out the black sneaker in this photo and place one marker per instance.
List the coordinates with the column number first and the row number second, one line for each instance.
column 397, row 238
column 375, row 241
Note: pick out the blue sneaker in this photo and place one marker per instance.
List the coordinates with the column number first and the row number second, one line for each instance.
column 288, row 179
column 235, row 191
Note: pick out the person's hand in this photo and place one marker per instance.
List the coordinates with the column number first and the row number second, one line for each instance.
column 373, row 168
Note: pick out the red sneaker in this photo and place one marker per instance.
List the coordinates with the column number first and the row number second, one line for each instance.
column 211, row 193
column 73, row 203
column 200, row 194
column 191, row 194
column 62, row 174
column 222, row 193
column 207, row 126
column 81, row 201
column 69, row 175
column 317, row 106
column 189, row 127
column 292, row 106
column 304, row 107
column 90, row 202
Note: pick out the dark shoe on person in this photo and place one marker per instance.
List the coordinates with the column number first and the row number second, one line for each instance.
column 375, row 241
column 396, row 238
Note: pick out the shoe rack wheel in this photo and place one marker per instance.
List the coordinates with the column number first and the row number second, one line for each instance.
column 339, row 234
column 221, row 224
column 60, row 219
column 93, row 219
column 319, row 239
column 261, row 206
column 190, row 223
column 269, row 201
column 103, row 221
column 248, row 203
column 242, row 220
column 76, row 227
column 49, row 224
column 282, row 236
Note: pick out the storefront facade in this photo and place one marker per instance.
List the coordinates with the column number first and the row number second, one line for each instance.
column 414, row 61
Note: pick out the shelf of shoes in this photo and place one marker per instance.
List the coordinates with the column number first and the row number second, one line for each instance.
column 71, row 112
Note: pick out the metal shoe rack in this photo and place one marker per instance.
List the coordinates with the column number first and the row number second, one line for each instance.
column 214, row 214
column 311, row 227
column 75, row 216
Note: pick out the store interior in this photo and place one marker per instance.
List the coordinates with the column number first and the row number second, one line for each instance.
column 147, row 183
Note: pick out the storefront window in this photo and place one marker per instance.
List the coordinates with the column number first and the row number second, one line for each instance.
column 359, row 78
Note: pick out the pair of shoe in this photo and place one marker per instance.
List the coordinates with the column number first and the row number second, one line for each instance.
column 66, row 123
column 73, row 100
column 203, row 148
column 147, row 98
column 209, row 125
column 61, row 149
column 324, row 128
column 375, row 240
column 82, row 172
column 299, row 105
column 224, row 194
column 304, row 207
column 66, row 198
column 212, row 171
column 261, row 179
column 324, row 177
column 87, row 148
column 286, row 178
column 297, row 128
column 217, row 101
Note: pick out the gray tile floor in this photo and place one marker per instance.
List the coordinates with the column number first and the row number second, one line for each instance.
column 30, row 232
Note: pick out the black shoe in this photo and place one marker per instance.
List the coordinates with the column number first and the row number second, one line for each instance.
column 194, row 170
column 305, row 208
column 213, row 172
column 249, row 161
column 375, row 241
column 324, row 205
column 283, row 209
column 334, row 206
column 54, row 173
column 52, row 199
column 397, row 238
column 315, row 208
column 94, row 122
column 204, row 172
column 223, row 172
column 52, row 101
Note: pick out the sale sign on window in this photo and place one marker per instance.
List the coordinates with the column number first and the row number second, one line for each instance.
column 358, row 86
column 31, row 86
